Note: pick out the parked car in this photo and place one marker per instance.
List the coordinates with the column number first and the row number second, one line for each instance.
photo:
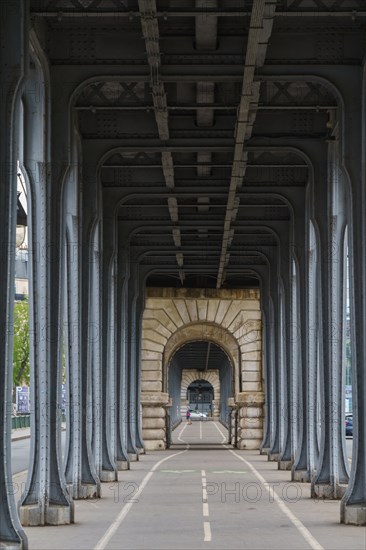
column 197, row 415
column 349, row 424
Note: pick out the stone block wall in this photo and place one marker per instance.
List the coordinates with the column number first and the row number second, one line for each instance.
column 229, row 318
column 154, row 417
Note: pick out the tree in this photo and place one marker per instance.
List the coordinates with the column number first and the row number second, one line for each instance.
column 21, row 367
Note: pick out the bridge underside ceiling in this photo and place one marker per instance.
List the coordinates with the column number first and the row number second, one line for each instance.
column 199, row 115
column 195, row 171
column 200, row 356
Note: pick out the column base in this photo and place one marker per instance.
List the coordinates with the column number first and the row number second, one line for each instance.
column 328, row 491
column 353, row 514
column 83, row 491
column 6, row 545
column 264, row 451
column 34, row 515
column 122, row 465
column 273, row 457
column 302, row 476
column 108, row 475
column 284, row 464
column 133, row 457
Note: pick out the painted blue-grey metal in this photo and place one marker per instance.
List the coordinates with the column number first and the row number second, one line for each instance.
column 108, row 466
column 134, row 343
column 94, row 347
column 154, row 166
column 90, row 312
column 226, row 390
column 13, row 62
column 267, row 324
column 353, row 505
column 302, row 469
column 330, row 213
column 140, row 305
column 275, row 448
column 126, row 417
column 285, row 457
column 174, row 385
column 80, row 471
column 45, row 499
column 131, row 362
column 314, row 342
column 294, row 361
column 112, row 353
column 122, row 459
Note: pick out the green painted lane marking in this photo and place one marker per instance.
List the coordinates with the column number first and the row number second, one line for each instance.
column 227, row 471
column 177, row 471
column 208, row 471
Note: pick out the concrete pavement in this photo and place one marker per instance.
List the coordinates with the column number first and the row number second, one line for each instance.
column 202, row 494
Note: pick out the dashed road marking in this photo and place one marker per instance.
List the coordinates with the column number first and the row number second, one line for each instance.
column 207, row 531
column 207, row 536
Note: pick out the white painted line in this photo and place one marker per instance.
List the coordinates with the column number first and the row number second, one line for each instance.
column 207, row 531
column 102, row 543
column 223, row 436
column 205, row 510
column 313, row 543
column 200, row 430
column 179, row 436
column 20, row 474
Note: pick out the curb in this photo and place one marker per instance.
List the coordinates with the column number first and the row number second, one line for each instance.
column 21, row 437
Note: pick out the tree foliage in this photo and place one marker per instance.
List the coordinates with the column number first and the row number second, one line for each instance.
column 21, row 368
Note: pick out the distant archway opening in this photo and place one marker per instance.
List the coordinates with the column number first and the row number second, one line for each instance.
column 201, row 376
column 200, row 397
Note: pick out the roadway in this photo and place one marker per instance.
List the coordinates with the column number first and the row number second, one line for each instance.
column 202, row 493
column 20, row 452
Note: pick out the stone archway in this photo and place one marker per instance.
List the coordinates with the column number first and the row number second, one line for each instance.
column 211, row 376
column 204, row 331
column 229, row 318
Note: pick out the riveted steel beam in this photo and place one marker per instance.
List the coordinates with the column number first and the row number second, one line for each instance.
column 260, row 29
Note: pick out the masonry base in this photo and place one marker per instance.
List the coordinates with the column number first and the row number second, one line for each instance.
column 5, row 545
column 353, row 514
column 133, row 457
column 108, row 475
column 123, row 465
column 35, row 515
column 302, row 476
column 327, row 491
column 83, row 490
column 284, row 464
